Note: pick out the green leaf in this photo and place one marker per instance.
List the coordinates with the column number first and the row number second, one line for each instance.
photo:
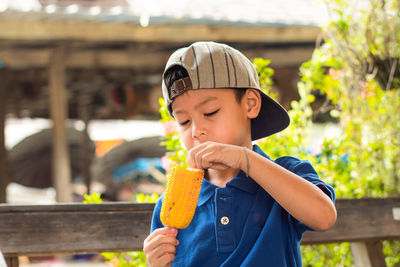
column 92, row 198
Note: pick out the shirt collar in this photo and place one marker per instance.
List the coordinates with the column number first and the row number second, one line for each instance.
column 240, row 181
column 206, row 192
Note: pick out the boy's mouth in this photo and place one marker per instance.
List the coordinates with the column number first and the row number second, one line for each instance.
column 196, row 142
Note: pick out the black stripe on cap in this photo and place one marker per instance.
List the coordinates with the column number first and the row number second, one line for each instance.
column 234, row 69
column 227, row 67
column 212, row 63
column 197, row 67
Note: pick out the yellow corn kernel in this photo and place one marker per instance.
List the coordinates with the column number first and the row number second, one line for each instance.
column 181, row 196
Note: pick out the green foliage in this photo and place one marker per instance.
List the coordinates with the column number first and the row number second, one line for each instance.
column 126, row 259
column 172, row 141
column 143, row 198
column 265, row 73
column 93, row 198
column 348, row 69
column 357, row 69
column 326, row 255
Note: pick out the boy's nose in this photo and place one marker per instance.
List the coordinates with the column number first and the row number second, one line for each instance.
column 198, row 131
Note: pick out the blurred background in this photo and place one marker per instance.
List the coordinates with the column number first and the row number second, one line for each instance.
column 94, row 68
column 80, row 83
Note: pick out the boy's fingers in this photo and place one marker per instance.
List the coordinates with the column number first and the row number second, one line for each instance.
column 195, row 155
column 162, row 249
column 190, row 159
column 158, row 241
column 160, row 246
column 159, row 236
column 205, row 160
column 164, row 260
column 172, row 231
column 209, row 158
column 162, row 231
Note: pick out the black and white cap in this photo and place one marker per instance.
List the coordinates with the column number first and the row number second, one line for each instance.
column 213, row 65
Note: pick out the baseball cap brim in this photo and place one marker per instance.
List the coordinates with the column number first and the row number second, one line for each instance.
column 272, row 118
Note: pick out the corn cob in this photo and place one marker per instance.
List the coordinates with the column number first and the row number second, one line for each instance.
column 181, row 196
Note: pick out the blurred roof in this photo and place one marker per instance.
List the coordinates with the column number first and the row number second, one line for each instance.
column 114, row 46
column 237, row 12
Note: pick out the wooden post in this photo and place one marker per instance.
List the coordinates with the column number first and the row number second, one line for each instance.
column 84, row 114
column 12, row 261
column 4, row 173
column 368, row 254
column 58, row 110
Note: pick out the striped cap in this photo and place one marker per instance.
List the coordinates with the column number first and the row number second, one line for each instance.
column 213, row 65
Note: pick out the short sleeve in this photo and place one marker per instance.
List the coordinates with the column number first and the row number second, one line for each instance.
column 304, row 169
column 155, row 221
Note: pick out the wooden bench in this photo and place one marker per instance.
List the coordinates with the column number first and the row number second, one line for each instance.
column 93, row 228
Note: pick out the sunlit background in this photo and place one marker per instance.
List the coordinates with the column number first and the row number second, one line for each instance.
column 114, row 54
column 80, row 93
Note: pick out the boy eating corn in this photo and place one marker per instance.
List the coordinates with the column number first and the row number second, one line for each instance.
column 252, row 210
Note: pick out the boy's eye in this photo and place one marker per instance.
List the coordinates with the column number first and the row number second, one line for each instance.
column 183, row 123
column 211, row 113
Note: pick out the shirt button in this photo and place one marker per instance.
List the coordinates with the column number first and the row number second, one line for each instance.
column 224, row 220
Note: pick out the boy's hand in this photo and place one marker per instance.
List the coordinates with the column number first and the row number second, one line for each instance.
column 159, row 247
column 211, row 155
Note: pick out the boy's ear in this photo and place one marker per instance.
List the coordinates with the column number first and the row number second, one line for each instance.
column 253, row 100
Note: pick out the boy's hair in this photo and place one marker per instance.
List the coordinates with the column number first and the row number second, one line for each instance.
column 210, row 65
column 177, row 72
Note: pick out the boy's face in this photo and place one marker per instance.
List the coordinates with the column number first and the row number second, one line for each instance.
column 211, row 115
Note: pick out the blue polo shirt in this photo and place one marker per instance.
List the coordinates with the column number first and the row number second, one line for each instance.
column 241, row 224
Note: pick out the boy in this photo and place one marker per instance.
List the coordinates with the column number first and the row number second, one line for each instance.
column 252, row 211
